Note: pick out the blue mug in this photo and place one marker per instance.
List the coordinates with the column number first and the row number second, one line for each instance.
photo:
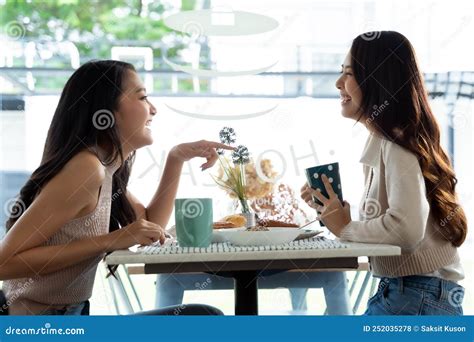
column 313, row 176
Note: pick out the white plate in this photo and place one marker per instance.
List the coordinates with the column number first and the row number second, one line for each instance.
column 218, row 235
column 275, row 236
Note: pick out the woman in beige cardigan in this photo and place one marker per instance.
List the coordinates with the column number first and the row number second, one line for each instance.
column 410, row 198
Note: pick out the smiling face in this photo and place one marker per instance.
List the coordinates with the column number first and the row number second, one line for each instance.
column 134, row 115
column 351, row 95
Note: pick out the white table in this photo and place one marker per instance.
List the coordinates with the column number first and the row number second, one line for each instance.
column 245, row 266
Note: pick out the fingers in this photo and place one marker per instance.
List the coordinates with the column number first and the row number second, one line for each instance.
column 148, row 224
column 328, row 186
column 311, row 203
column 162, row 236
column 154, row 235
column 306, row 193
column 319, row 208
column 305, row 187
column 214, row 144
column 211, row 160
column 319, row 196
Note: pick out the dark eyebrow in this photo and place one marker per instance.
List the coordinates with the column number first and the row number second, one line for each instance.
column 346, row 67
column 140, row 89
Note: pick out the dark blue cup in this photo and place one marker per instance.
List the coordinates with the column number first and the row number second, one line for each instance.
column 313, row 176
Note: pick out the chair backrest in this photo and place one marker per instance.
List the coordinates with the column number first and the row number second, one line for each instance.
column 10, row 184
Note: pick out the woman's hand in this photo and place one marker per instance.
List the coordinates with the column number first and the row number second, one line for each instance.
column 202, row 148
column 140, row 232
column 333, row 213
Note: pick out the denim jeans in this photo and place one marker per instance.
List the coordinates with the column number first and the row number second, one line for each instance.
column 416, row 295
column 170, row 287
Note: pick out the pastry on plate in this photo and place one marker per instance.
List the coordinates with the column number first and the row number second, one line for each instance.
column 231, row 221
column 238, row 220
column 223, row 225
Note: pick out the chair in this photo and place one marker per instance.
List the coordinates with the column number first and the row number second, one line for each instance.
column 10, row 185
column 3, row 304
column 122, row 301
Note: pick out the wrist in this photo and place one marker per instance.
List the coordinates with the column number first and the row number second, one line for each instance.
column 106, row 242
column 341, row 229
column 174, row 158
column 174, row 155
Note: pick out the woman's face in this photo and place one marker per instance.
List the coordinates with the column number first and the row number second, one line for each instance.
column 134, row 115
column 351, row 96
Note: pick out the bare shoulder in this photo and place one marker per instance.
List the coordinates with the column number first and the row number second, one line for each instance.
column 71, row 192
column 86, row 167
column 79, row 180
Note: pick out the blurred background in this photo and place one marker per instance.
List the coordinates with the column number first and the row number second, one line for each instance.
column 289, row 113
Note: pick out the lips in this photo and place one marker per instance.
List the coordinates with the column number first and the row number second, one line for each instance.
column 345, row 98
column 148, row 125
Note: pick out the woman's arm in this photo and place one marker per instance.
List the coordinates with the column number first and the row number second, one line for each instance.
column 161, row 205
column 46, row 259
column 74, row 189
column 404, row 221
column 71, row 192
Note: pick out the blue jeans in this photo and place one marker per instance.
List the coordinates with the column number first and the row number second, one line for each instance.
column 170, row 287
column 416, row 295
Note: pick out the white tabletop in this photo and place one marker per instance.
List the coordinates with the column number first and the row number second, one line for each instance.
column 350, row 249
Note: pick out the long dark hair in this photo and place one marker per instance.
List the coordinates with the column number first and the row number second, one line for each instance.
column 395, row 104
column 84, row 120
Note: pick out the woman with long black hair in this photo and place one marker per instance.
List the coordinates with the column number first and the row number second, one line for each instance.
column 76, row 207
column 409, row 198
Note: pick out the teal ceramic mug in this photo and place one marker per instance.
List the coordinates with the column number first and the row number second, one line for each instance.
column 194, row 218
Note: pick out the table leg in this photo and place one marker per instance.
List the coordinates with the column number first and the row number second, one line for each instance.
column 246, row 292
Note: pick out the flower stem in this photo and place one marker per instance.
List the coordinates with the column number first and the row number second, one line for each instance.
column 245, row 205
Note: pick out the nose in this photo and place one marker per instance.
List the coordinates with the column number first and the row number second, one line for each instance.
column 153, row 110
column 339, row 82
